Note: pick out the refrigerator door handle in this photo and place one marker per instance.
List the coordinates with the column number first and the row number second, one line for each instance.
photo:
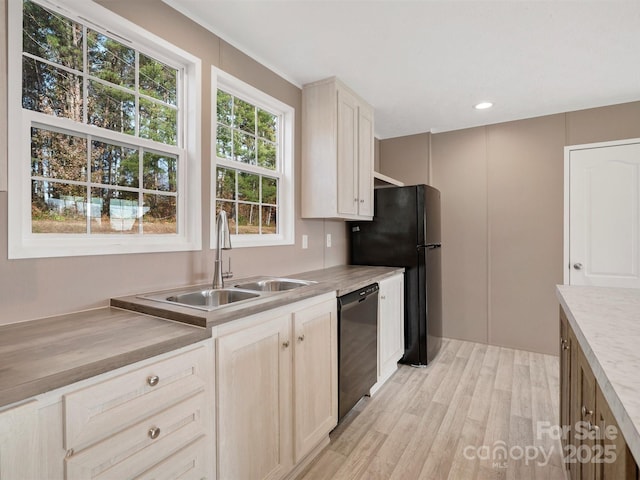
column 431, row 246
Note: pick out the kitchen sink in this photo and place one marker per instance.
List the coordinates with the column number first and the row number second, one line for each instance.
column 274, row 284
column 206, row 299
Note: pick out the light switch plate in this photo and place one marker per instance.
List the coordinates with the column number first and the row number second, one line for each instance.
column 328, row 240
column 305, row 241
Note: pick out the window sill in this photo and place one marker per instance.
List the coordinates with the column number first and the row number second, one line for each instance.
column 245, row 241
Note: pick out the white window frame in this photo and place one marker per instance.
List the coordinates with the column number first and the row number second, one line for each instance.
column 286, row 133
column 22, row 242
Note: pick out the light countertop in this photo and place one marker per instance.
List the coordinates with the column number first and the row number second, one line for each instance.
column 606, row 322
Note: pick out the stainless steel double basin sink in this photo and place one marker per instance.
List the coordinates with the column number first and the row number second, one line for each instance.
column 209, row 299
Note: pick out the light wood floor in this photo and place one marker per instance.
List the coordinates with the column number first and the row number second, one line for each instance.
column 418, row 425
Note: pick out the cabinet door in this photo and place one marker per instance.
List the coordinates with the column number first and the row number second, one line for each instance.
column 18, row 442
column 254, row 401
column 347, row 153
column 583, row 422
column 365, row 162
column 390, row 325
column 615, row 461
column 566, row 348
column 315, row 369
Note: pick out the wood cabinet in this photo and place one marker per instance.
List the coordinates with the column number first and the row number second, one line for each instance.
column 277, row 388
column 593, row 446
column 150, row 419
column 18, row 442
column 390, row 327
column 315, row 375
column 337, row 152
column 130, row 422
column 254, row 401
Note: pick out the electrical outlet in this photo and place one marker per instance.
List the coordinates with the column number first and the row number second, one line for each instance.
column 328, row 240
column 305, row 241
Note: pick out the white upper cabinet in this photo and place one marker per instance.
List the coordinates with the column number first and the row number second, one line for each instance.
column 337, row 152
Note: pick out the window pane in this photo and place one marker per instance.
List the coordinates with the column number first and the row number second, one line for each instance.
column 226, row 183
column 158, row 80
column 111, row 108
column 244, row 116
column 266, row 154
column 269, row 220
column 223, row 142
column 114, row 165
column 267, row 125
column 114, row 211
column 248, row 187
column 158, row 122
column 270, row 190
column 248, row 219
column 51, row 90
column 230, row 209
column 51, row 36
column 244, row 148
column 58, row 207
column 224, row 108
column 160, row 213
column 57, row 155
column 111, row 60
column 160, row 172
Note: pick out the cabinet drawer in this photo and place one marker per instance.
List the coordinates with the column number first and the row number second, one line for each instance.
column 95, row 412
column 190, row 463
column 133, row 453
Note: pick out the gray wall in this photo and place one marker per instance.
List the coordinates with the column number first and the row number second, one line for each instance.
column 502, row 218
column 43, row 287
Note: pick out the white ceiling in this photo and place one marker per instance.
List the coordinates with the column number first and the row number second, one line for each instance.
column 424, row 64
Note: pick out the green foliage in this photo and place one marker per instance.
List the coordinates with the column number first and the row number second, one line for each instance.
column 58, row 158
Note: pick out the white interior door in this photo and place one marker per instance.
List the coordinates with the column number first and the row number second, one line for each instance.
column 604, row 215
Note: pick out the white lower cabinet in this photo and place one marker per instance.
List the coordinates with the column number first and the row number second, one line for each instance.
column 151, row 419
column 19, row 438
column 315, row 379
column 390, row 326
column 256, row 406
column 277, row 388
column 254, row 401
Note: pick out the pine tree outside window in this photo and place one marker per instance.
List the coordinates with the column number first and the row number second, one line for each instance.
column 253, row 171
column 102, row 156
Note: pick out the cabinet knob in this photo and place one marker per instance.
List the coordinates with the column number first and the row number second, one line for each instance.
column 301, row 338
column 154, row 433
column 285, row 344
column 382, row 297
column 577, row 266
column 586, row 412
column 355, row 200
column 361, row 201
column 153, row 380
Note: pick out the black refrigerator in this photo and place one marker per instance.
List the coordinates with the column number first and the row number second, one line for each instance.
column 405, row 232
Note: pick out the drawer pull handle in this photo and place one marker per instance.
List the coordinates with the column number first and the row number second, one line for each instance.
column 285, row 344
column 154, row 433
column 153, row 380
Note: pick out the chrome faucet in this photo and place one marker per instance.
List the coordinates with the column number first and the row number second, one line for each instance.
column 223, row 242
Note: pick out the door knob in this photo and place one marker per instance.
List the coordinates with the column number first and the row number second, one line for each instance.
column 577, row 266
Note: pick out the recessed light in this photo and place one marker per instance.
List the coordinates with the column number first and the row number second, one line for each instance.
column 483, row 105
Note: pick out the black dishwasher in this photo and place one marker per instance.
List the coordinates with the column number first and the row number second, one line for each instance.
column 357, row 346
